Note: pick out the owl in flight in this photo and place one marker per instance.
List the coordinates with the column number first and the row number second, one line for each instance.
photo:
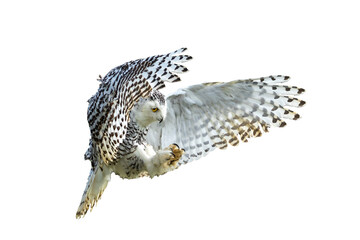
column 136, row 131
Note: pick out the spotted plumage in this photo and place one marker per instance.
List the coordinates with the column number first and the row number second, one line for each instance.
column 136, row 131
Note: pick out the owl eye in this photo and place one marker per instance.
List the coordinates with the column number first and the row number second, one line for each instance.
column 154, row 109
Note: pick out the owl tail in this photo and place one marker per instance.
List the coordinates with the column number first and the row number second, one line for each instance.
column 97, row 182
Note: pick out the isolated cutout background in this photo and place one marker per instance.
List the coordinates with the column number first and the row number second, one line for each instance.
column 300, row 182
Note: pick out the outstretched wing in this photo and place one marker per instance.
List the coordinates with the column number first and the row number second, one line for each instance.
column 212, row 115
column 120, row 89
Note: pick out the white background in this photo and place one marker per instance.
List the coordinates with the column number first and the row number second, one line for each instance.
column 300, row 182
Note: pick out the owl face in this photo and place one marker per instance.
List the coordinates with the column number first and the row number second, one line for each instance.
column 154, row 111
column 149, row 111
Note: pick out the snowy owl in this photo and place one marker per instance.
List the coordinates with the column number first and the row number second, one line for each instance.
column 136, row 131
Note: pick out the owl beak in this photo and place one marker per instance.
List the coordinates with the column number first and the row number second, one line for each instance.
column 161, row 120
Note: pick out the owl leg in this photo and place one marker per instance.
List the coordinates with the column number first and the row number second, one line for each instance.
column 162, row 161
column 167, row 159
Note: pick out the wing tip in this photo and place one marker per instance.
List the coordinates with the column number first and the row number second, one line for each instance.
column 180, row 50
column 301, row 90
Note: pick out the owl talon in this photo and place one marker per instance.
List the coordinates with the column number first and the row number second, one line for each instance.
column 176, row 154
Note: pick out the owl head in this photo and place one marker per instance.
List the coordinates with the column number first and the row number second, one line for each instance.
column 150, row 109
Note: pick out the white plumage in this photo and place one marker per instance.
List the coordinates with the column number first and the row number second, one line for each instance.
column 136, row 132
column 205, row 116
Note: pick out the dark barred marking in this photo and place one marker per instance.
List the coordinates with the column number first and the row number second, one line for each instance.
column 157, row 96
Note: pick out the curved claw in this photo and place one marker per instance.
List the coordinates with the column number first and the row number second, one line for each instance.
column 172, row 154
column 176, row 145
column 183, row 149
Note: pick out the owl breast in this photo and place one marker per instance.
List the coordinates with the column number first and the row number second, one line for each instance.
column 127, row 165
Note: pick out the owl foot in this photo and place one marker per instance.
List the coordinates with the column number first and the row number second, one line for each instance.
column 164, row 161
column 176, row 154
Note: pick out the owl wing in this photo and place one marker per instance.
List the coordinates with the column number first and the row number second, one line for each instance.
column 120, row 89
column 207, row 116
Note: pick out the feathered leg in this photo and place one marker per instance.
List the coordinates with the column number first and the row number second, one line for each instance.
column 97, row 182
column 162, row 161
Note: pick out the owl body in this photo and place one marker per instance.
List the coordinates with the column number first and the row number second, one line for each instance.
column 127, row 165
column 136, row 131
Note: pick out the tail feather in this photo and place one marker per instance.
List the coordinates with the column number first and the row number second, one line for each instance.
column 97, row 182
